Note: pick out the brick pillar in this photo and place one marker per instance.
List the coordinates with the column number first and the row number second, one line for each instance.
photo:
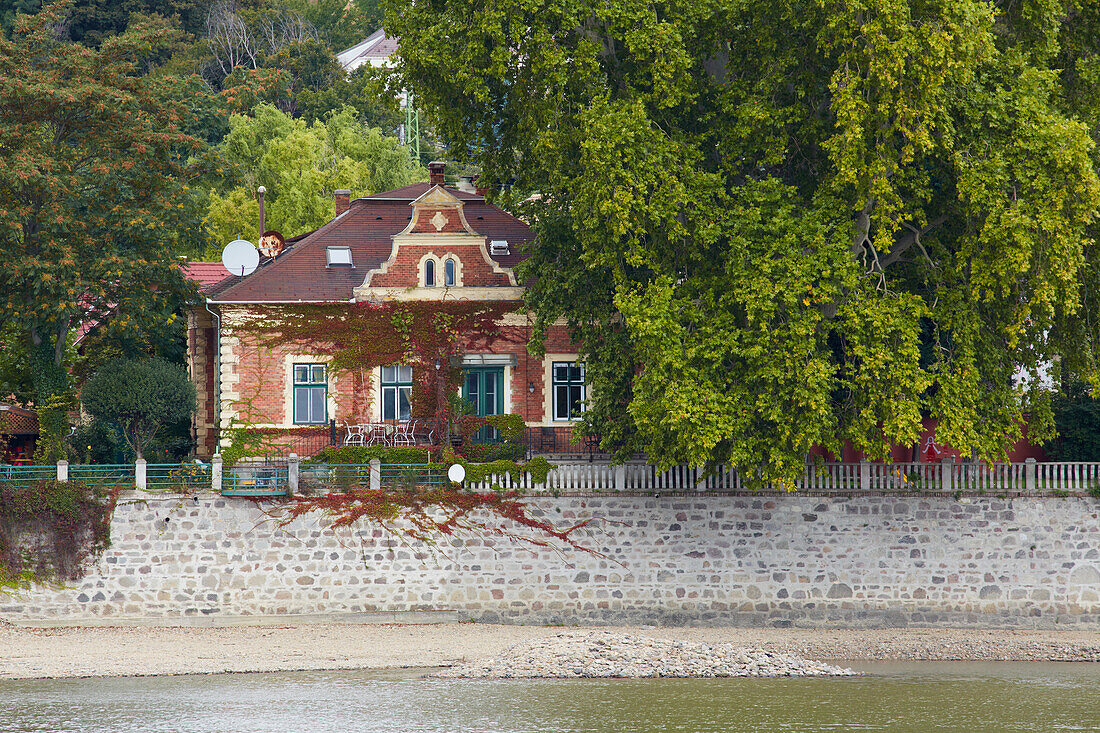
column 1030, row 482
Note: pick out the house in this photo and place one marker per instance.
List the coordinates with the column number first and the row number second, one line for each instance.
column 375, row 50
column 424, row 243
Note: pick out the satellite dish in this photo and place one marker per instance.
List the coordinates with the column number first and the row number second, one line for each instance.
column 240, row 257
column 456, row 473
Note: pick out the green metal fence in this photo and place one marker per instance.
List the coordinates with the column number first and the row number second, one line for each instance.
column 345, row 476
column 412, row 475
column 255, row 480
column 334, row 477
column 184, row 477
column 26, row 474
column 115, row 474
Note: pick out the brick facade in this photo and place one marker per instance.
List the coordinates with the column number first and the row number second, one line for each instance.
column 239, row 381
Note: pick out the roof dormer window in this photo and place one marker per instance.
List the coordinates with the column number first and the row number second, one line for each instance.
column 498, row 247
column 338, row 257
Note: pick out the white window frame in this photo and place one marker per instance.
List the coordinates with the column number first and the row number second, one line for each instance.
column 390, row 391
column 569, row 384
column 308, row 378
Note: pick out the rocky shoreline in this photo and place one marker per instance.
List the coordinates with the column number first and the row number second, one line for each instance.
column 114, row 651
column 592, row 654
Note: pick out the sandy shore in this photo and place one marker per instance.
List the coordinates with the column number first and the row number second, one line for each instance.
column 27, row 653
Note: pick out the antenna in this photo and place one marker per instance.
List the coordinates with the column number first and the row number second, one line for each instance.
column 240, row 257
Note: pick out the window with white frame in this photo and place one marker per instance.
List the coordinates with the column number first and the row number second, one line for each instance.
column 397, row 393
column 429, row 273
column 449, row 273
column 310, row 394
column 568, row 389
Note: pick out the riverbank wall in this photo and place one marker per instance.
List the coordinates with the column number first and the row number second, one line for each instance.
column 788, row 560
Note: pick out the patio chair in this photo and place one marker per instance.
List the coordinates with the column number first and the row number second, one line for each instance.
column 403, row 433
column 353, row 434
column 378, row 434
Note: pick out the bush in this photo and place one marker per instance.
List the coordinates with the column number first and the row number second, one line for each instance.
column 357, row 454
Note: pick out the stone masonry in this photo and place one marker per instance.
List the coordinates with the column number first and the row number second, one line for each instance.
column 708, row 559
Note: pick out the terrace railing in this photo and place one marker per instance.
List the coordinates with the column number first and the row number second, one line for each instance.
column 256, row 479
column 26, row 474
column 115, row 474
column 185, row 477
column 289, row 476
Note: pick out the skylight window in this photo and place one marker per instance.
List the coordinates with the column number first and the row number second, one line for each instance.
column 338, row 257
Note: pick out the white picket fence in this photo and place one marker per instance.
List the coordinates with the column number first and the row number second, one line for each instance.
column 1029, row 476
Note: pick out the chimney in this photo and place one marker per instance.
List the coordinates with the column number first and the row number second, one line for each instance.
column 479, row 189
column 435, row 169
column 343, row 200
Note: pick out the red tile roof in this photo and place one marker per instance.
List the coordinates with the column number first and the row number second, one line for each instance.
column 367, row 228
column 206, row 274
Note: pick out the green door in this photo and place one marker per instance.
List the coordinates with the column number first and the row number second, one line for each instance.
column 483, row 388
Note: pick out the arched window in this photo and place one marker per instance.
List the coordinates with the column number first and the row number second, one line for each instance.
column 429, row 274
column 449, row 273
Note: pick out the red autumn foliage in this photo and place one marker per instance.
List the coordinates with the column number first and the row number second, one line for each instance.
column 426, row 514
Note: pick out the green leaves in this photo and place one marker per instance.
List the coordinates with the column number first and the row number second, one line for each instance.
column 142, row 395
column 301, row 165
column 787, row 224
column 93, row 197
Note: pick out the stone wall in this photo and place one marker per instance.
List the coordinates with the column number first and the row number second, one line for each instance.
column 718, row 559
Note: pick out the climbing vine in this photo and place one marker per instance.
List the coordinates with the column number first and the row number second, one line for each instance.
column 426, row 514
column 49, row 530
column 358, row 337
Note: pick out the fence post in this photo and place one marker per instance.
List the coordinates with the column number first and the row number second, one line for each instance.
column 864, row 475
column 947, row 466
column 216, row 474
column 1030, row 484
column 141, row 476
column 292, row 473
column 620, row 477
column 375, row 474
column 62, row 470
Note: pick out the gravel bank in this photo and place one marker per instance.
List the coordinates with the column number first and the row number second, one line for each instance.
column 140, row 650
column 587, row 654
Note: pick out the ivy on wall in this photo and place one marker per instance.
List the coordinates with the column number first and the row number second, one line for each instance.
column 49, row 530
column 358, row 337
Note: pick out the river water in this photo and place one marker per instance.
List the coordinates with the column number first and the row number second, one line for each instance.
column 924, row 696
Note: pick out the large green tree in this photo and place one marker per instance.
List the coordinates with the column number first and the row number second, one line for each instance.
column 93, row 182
column 301, row 165
column 781, row 224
